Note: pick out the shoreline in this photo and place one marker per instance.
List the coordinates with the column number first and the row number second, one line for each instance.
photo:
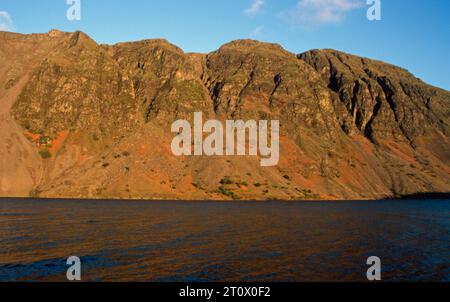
column 419, row 196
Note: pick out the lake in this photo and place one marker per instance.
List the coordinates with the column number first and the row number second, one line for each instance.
column 224, row 241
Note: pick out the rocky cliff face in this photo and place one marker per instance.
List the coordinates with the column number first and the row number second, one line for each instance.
column 93, row 121
column 383, row 101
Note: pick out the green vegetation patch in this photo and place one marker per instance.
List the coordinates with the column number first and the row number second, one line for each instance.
column 223, row 190
column 45, row 154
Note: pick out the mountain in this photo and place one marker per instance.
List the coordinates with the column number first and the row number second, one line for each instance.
column 83, row 120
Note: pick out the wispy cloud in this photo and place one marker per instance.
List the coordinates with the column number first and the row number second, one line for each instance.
column 257, row 32
column 255, row 8
column 312, row 13
column 6, row 23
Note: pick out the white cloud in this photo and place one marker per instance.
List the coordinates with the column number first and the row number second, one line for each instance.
column 255, row 8
column 257, row 32
column 310, row 13
column 6, row 23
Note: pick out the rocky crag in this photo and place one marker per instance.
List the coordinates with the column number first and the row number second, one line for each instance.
column 83, row 120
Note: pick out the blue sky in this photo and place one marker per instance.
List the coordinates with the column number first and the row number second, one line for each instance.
column 414, row 34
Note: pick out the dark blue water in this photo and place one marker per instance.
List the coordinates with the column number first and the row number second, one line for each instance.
column 214, row 241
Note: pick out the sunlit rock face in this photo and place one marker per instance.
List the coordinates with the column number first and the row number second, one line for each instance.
column 93, row 121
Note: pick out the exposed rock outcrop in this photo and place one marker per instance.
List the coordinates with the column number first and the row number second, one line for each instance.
column 92, row 120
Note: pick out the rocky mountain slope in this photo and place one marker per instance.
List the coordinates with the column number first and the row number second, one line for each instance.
column 83, row 120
